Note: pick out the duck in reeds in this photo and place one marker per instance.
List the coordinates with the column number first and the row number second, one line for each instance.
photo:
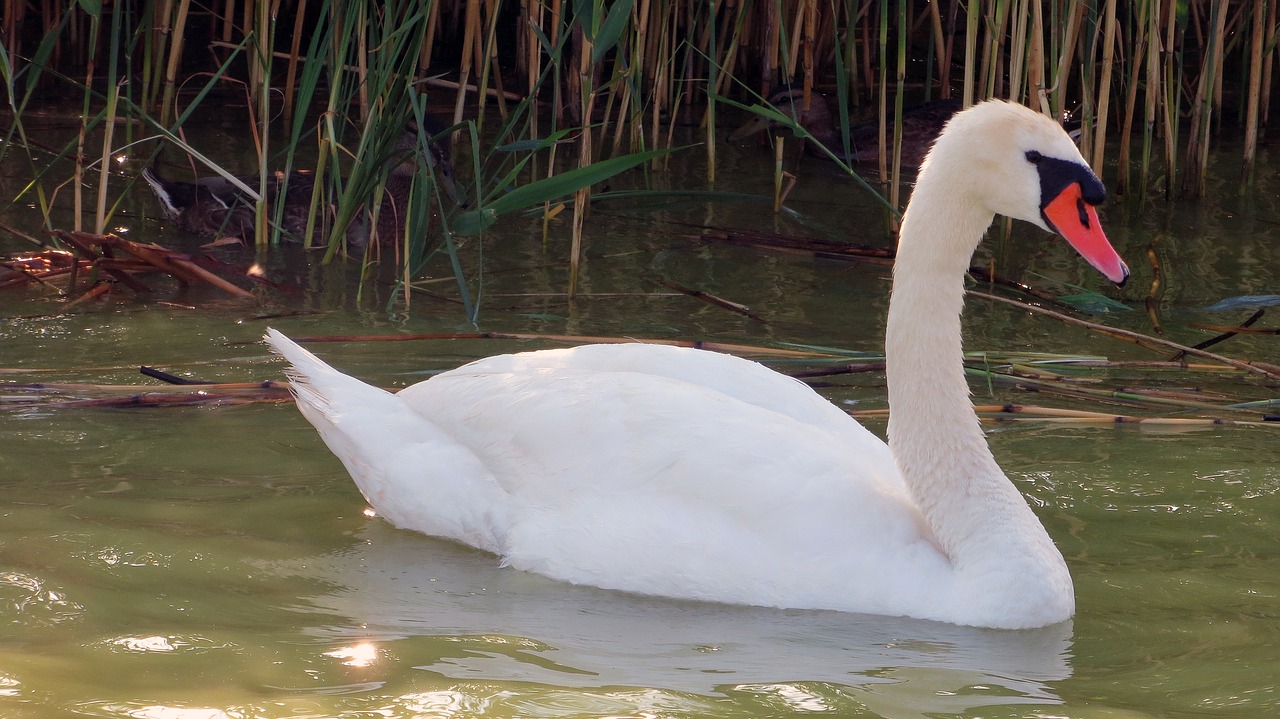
column 687, row 473
column 217, row 207
column 920, row 127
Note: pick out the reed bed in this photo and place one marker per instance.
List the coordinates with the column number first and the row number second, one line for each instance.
column 569, row 85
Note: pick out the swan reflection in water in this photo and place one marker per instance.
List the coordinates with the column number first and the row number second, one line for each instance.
column 490, row 624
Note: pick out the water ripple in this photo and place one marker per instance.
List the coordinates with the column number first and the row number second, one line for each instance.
column 29, row 597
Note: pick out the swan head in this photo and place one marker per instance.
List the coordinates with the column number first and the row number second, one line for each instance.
column 1016, row 162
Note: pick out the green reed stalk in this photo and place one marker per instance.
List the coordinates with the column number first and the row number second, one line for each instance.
column 1256, row 55
column 1154, row 92
column 1195, row 183
column 154, row 29
column 109, row 126
column 991, row 73
column 291, row 71
column 939, row 50
column 587, row 29
column 1104, row 83
column 261, row 61
column 895, row 186
column 1036, row 95
column 471, row 30
column 1268, row 62
column 1018, row 50
column 971, row 50
column 7, row 76
column 882, row 46
column 1071, row 39
column 773, row 41
column 1137, row 61
column 1089, row 45
column 709, row 120
column 484, row 56
column 627, row 91
column 176, row 35
column 95, row 24
column 843, row 59
column 491, row 69
column 1172, row 94
column 303, row 92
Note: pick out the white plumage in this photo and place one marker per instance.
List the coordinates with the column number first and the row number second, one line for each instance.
column 691, row 474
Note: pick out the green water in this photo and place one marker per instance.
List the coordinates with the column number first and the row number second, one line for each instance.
column 210, row 562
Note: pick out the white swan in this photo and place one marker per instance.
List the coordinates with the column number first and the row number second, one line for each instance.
column 690, row 474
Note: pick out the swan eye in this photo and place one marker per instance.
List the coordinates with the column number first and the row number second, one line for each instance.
column 1034, row 157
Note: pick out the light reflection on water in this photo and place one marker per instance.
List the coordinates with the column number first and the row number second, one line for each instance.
column 216, row 562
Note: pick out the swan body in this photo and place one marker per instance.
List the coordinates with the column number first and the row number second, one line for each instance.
column 690, row 474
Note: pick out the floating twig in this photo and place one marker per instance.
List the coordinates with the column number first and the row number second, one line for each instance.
column 1227, row 333
column 1236, row 330
column 94, row 292
column 852, row 368
column 1025, row 413
column 711, row 299
column 154, row 373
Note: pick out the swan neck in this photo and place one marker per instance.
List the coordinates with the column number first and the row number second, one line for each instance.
column 934, row 434
column 928, row 392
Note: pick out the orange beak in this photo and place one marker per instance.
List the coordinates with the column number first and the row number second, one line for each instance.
column 1076, row 220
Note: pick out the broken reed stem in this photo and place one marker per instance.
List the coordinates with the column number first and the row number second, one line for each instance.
column 148, row 258
column 1269, row 371
column 712, row 300
column 1055, row 415
column 1141, row 364
column 1139, row 397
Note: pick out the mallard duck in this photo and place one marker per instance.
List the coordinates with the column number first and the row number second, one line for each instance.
column 920, row 127
column 687, row 473
column 216, row 207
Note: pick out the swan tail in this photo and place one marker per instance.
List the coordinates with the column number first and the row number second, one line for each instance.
column 314, row 383
column 415, row 475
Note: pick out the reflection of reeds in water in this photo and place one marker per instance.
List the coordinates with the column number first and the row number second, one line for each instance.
column 610, row 78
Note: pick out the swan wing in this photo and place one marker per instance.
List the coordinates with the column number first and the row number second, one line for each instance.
column 723, row 374
column 624, row 473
